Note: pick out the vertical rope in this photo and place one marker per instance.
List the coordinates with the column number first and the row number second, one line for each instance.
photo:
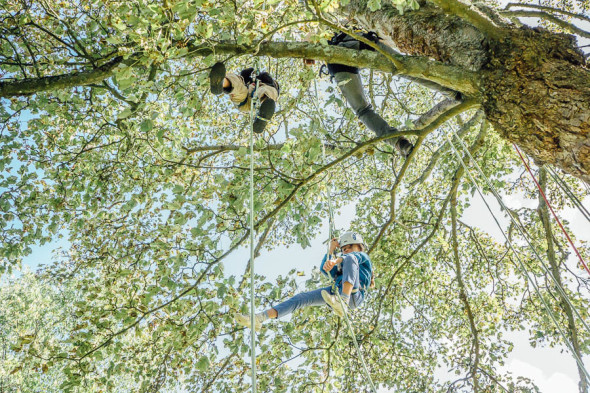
column 564, row 186
column 253, row 104
column 344, row 307
column 523, row 232
column 551, row 208
column 517, row 255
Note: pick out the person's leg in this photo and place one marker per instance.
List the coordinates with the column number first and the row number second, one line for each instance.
column 356, row 299
column 351, row 86
column 217, row 78
column 305, row 299
column 267, row 96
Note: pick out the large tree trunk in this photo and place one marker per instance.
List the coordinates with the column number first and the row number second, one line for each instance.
column 535, row 84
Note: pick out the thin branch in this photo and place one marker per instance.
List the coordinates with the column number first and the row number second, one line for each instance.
column 463, row 292
column 443, row 149
column 552, row 18
column 572, row 330
column 548, row 9
column 477, row 144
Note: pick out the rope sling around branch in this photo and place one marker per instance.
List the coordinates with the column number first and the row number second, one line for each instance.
column 517, row 255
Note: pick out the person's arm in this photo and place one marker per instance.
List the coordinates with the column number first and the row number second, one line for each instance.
column 324, row 260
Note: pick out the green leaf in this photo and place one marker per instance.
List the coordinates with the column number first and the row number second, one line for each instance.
column 203, row 363
column 124, row 114
column 374, row 5
column 146, row 125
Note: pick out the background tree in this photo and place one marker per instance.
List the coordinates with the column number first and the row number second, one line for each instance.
column 110, row 138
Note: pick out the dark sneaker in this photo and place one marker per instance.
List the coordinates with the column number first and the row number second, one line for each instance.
column 404, row 146
column 216, row 76
column 265, row 112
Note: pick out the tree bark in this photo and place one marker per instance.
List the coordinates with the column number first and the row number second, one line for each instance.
column 535, row 84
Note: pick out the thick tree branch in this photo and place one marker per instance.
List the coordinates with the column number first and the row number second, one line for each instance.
column 30, row 86
column 452, row 77
column 471, row 15
column 434, row 112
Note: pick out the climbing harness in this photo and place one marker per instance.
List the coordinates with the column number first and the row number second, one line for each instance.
column 551, row 208
column 517, row 255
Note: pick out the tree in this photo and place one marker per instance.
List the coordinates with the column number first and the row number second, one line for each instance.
column 110, row 138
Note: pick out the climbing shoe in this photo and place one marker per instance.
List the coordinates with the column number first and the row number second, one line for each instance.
column 244, row 320
column 265, row 112
column 216, row 76
column 404, row 146
column 334, row 303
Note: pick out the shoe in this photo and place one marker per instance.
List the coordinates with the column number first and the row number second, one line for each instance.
column 404, row 146
column 244, row 320
column 334, row 303
column 216, row 76
column 265, row 112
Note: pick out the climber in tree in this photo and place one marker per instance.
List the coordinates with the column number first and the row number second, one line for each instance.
column 350, row 83
column 352, row 273
column 242, row 87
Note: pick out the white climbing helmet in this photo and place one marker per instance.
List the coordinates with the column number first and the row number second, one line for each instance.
column 351, row 238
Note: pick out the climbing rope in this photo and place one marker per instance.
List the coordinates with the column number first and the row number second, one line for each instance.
column 563, row 185
column 551, row 208
column 329, row 254
column 524, row 233
column 517, row 255
column 253, row 104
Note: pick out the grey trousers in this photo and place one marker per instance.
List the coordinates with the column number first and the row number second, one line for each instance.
column 351, row 86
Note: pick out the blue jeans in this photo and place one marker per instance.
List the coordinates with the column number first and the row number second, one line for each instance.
column 350, row 273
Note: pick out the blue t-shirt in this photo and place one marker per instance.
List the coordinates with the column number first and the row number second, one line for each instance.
column 365, row 268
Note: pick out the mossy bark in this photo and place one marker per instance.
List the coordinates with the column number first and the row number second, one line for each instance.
column 535, row 84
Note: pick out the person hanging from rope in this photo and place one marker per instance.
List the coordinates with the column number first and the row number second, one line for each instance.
column 350, row 84
column 352, row 275
column 242, row 87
